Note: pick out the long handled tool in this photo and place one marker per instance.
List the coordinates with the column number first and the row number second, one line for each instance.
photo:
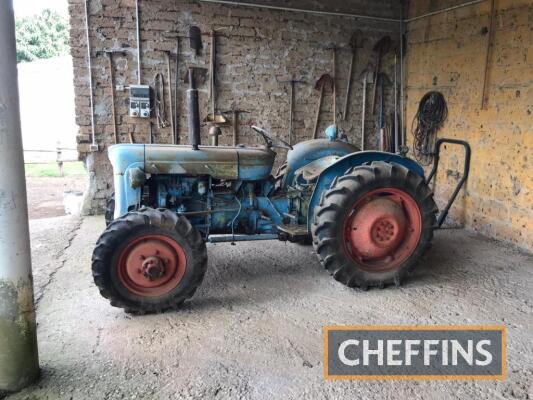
column 138, row 36
column 292, row 100
column 235, row 121
column 382, row 81
column 368, row 77
column 323, row 81
column 94, row 144
column 113, row 105
column 170, row 102
column 333, row 49
column 396, row 119
column 195, row 39
column 159, row 100
column 176, row 83
column 490, row 45
column 335, row 85
column 381, row 48
column 111, row 65
column 355, row 42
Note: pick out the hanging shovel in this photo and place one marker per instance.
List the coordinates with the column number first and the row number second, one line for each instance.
column 368, row 77
column 382, row 81
column 355, row 42
column 381, row 48
column 195, row 39
column 325, row 80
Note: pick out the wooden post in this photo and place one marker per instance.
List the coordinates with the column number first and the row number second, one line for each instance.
column 59, row 160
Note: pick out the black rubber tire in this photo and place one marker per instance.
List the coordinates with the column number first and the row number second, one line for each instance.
column 110, row 210
column 335, row 206
column 308, row 241
column 142, row 222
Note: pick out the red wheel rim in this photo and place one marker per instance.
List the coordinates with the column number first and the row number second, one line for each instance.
column 151, row 265
column 383, row 229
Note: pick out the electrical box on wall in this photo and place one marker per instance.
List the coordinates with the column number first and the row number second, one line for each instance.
column 140, row 101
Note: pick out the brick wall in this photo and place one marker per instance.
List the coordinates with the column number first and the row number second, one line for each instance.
column 260, row 50
column 447, row 53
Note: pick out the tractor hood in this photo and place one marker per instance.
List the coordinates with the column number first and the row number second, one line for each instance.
column 245, row 163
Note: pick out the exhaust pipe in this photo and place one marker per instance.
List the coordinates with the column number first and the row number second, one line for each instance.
column 193, row 113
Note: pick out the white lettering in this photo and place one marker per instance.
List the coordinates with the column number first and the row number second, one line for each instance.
column 483, row 352
column 409, row 352
column 428, row 351
column 342, row 352
column 368, row 352
column 467, row 355
column 444, row 352
column 391, row 352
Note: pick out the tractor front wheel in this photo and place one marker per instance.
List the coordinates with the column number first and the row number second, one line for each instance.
column 110, row 210
column 149, row 260
column 373, row 225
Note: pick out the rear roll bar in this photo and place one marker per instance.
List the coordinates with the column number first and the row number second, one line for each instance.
column 466, row 171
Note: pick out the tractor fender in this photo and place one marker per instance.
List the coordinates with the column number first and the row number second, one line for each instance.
column 306, row 152
column 341, row 166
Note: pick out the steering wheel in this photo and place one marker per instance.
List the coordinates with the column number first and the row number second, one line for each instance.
column 270, row 140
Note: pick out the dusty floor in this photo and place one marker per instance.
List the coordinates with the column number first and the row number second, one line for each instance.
column 45, row 194
column 253, row 331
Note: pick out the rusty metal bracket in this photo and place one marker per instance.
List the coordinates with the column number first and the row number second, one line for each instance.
column 466, row 172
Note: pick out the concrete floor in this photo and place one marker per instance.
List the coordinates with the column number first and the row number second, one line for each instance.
column 254, row 330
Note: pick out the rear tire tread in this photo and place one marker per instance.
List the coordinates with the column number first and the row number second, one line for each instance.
column 341, row 195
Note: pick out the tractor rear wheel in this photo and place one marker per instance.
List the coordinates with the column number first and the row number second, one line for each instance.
column 149, row 260
column 373, row 225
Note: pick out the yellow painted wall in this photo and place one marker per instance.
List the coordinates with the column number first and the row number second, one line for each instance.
column 447, row 53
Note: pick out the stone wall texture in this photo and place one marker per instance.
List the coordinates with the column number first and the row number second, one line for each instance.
column 447, row 53
column 258, row 51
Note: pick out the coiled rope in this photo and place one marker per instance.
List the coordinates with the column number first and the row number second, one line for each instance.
column 431, row 114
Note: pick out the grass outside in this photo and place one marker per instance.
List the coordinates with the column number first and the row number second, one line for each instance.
column 52, row 170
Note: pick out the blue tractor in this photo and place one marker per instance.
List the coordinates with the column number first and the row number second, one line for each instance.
column 370, row 215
